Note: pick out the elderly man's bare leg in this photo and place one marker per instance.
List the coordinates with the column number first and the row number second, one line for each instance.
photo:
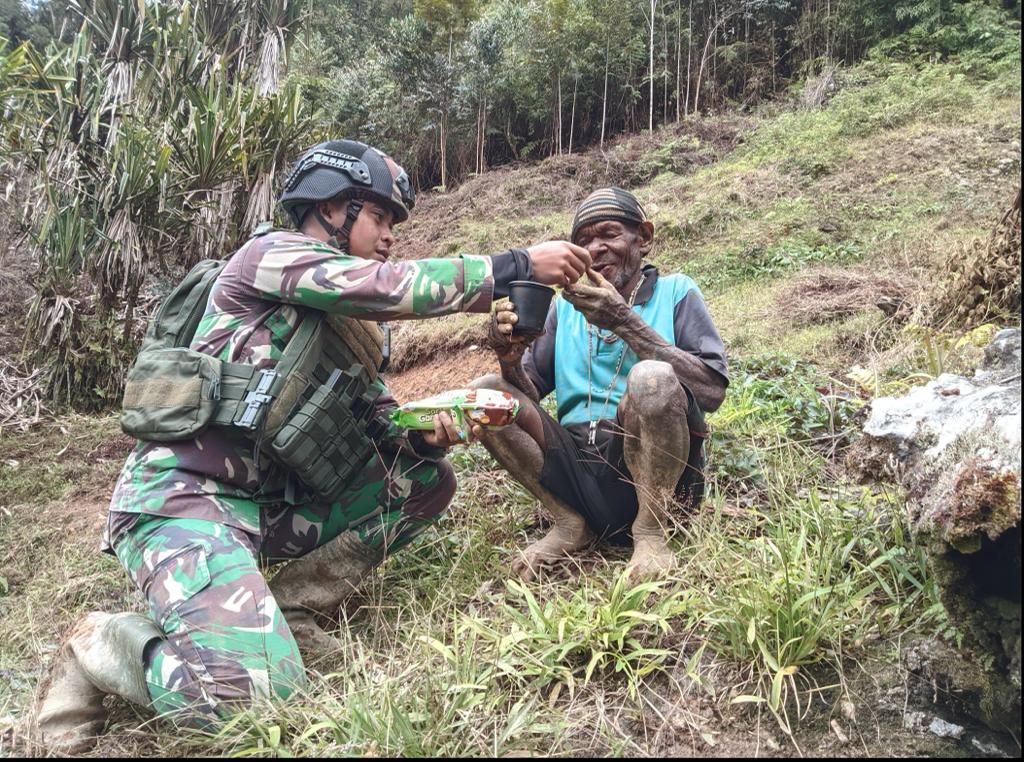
column 518, row 449
column 653, row 413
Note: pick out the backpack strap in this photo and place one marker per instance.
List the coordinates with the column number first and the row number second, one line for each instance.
column 178, row 317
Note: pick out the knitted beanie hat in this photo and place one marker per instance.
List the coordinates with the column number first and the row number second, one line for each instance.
column 607, row 204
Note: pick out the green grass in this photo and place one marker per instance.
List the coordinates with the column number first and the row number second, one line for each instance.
column 43, row 464
column 445, row 656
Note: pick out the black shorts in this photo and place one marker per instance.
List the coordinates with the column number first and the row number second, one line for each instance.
column 594, row 481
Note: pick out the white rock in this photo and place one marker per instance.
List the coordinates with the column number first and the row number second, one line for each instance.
column 944, row 729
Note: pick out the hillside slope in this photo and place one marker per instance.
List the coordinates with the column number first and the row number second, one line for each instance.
column 797, row 588
column 885, row 180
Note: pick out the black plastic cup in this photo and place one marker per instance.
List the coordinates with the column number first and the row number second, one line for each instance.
column 531, row 301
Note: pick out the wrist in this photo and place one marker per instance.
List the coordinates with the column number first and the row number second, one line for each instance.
column 423, row 448
column 623, row 318
column 509, row 266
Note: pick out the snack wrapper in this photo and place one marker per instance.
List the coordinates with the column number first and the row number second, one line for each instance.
column 490, row 408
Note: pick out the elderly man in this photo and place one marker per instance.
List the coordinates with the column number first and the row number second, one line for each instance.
column 634, row 360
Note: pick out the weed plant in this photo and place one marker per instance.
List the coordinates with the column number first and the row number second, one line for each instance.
column 776, row 402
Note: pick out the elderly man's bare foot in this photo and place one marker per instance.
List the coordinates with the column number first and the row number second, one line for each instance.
column 652, row 559
column 564, row 538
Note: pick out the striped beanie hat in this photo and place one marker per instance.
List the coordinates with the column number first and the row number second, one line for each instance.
column 607, row 204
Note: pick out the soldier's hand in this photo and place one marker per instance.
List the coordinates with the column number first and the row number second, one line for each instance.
column 509, row 348
column 446, row 433
column 558, row 263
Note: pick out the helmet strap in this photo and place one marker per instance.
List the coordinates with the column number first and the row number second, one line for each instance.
column 339, row 236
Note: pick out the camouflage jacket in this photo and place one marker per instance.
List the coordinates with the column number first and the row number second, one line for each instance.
column 251, row 315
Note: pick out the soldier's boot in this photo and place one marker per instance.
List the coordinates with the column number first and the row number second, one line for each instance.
column 103, row 654
column 319, row 583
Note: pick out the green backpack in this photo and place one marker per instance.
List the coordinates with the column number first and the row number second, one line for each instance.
column 172, row 392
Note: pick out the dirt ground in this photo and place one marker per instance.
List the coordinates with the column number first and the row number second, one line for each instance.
column 449, row 372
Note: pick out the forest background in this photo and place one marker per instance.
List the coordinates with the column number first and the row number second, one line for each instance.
column 140, row 137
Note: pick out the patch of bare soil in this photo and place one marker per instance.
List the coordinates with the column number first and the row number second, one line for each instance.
column 450, row 371
column 415, row 341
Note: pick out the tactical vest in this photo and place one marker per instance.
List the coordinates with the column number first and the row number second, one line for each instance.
column 312, row 414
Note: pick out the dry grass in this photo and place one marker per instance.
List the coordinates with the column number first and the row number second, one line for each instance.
column 417, row 341
column 982, row 277
column 21, row 397
column 826, row 294
column 558, row 183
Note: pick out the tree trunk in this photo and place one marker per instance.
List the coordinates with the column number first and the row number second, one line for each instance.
column 604, row 101
column 664, row 85
column 773, row 57
column 679, row 46
column 559, row 113
column 483, row 139
column 689, row 58
column 476, row 158
column 650, row 71
column 444, row 153
column 703, row 61
column 713, row 85
column 828, row 32
column 746, row 51
column 572, row 119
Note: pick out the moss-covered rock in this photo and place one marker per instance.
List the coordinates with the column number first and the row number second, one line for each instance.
column 955, row 445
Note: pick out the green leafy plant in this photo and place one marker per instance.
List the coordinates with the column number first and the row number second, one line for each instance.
column 820, row 575
column 595, row 631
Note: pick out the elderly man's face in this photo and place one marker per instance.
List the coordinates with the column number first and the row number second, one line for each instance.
column 617, row 248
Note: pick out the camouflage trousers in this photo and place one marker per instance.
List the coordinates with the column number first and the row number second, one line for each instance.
column 226, row 642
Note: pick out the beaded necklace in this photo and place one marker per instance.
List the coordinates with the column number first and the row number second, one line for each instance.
column 595, row 332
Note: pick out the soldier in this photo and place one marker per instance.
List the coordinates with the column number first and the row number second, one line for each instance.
column 634, row 359
column 192, row 521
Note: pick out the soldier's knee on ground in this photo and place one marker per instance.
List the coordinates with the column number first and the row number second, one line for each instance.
column 227, row 683
column 442, row 492
column 654, row 390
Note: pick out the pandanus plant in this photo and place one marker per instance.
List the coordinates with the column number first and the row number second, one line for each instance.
column 152, row 140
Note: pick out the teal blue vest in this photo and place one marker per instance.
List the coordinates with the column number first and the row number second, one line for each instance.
column 571, row 352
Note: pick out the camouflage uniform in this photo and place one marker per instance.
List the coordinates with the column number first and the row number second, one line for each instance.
column 183, row 519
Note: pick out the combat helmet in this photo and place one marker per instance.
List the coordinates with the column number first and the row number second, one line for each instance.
column 345, row 169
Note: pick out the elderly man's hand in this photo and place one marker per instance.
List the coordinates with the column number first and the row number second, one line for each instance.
column 601, row 304
column 509, row 348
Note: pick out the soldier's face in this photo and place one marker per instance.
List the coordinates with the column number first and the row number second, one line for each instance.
column 371, row 236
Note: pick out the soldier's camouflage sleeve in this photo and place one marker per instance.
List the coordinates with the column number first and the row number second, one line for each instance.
column 297, row 269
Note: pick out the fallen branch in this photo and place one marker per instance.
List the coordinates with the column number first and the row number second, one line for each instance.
column 21, row 397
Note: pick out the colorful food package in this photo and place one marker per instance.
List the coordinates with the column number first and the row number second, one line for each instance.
column 489, row 408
